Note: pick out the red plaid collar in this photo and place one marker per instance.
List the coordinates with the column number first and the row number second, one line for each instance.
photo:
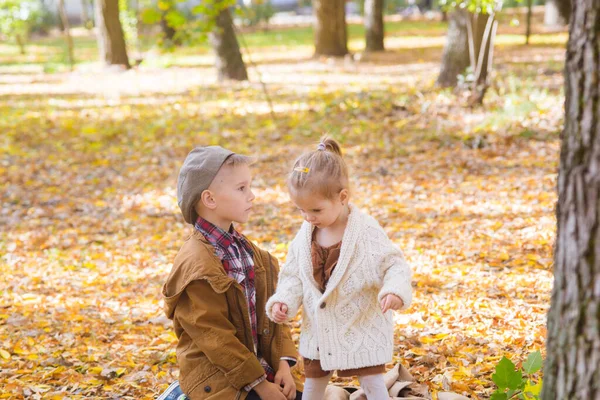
column 220, row 238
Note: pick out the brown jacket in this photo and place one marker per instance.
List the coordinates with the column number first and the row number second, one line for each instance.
column 211, row 320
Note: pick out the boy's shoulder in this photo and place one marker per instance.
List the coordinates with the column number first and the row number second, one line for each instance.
column 195, row 260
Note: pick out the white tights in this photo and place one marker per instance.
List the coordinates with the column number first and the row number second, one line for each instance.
column 373, row 386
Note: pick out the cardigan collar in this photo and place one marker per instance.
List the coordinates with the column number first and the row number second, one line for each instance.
column 349, row 241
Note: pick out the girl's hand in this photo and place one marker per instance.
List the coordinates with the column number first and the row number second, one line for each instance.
column 391, row 302
column 279, row 312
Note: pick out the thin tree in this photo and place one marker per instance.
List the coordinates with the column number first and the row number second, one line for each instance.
column 573, row 344
column 67, row 31
column 228, row 60
column 374, row 25
column 528, row 29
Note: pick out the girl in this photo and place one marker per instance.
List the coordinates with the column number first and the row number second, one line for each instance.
column 346, row 273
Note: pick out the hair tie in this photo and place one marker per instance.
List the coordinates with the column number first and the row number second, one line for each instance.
column 302, row 169
column 321, row 147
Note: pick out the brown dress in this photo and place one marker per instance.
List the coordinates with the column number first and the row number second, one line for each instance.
column 324, row 260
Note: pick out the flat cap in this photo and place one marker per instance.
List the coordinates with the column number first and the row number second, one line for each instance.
column 198, row 171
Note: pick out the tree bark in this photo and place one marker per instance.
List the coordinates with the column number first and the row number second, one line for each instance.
column 529, row 12
column 557, row 12
column 455, row 58
column 111, row 40
column 573, row 344
column 482, row 33
column 20, row 43
column 229, row 61
column 85, row 17
column 374, row 26
column 331, row 37
column 167, row 29
column 67, row 32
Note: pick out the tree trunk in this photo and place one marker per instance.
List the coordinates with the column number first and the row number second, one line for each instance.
column 229, row 62
column 20, row 43
column 482, row 32
column 426, row 5
column 455, row 59
column 573, row 344
column 331, row 37
column 65, row 20
column 111, row 40
column 557, row 12
column 85, row 16
column 167, row 30
column 529, row 12
column 374, row 26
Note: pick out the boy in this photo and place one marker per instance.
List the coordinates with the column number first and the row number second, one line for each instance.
column 217, row 291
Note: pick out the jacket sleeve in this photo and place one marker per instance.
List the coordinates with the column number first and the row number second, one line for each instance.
column 289, row 287
column 203, row 314
column 286, row 343
column 396, row 275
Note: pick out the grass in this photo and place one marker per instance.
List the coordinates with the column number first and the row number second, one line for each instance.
column 51, row 50
column 417, row 40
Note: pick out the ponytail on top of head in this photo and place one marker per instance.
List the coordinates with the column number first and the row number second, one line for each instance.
column 322, row 171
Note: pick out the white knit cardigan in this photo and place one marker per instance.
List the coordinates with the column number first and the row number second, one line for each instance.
column 344, row 327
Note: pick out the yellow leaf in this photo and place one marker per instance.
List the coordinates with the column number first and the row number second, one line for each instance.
column 4, row 354
column 95, row 370
column 533, row 389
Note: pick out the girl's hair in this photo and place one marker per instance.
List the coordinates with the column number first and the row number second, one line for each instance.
column 321, row 171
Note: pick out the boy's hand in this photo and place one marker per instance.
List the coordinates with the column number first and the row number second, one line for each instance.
column 269, row 391
column 284, row 378
column 391, row 302
column 279, row 312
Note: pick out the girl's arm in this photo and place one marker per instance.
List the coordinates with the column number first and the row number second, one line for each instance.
column 289, row 287
column 396, row 276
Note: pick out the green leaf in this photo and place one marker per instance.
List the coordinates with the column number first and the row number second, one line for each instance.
column 499, row 396
column 151, row 16
column 533, row 363
column 506, row 376
column 175, row 19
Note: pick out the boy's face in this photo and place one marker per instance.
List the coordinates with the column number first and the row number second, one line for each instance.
column 232, row 194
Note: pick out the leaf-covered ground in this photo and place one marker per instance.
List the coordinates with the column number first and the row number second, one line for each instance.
column 90, row 225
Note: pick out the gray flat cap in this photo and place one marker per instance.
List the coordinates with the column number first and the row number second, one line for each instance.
column 198, row 171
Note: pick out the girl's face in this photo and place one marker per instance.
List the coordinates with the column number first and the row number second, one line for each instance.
column 320, row 211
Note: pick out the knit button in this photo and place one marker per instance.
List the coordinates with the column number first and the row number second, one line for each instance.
column 207, row 389
column 266, row 332
column 317, row 348
column 329, row 353
column 323, row 305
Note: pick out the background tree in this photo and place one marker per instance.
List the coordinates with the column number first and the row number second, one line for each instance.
column 374, row 25
column 111, row 39
column 228, row 60
column 67, row 32
column 455, row 58
column 215, row 22
column 479, row 19
column 16, row 19
column 573, row 343
column 557, row 12
column 331, row 36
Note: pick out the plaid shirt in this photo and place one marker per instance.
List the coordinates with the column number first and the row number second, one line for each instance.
column 237, row 257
